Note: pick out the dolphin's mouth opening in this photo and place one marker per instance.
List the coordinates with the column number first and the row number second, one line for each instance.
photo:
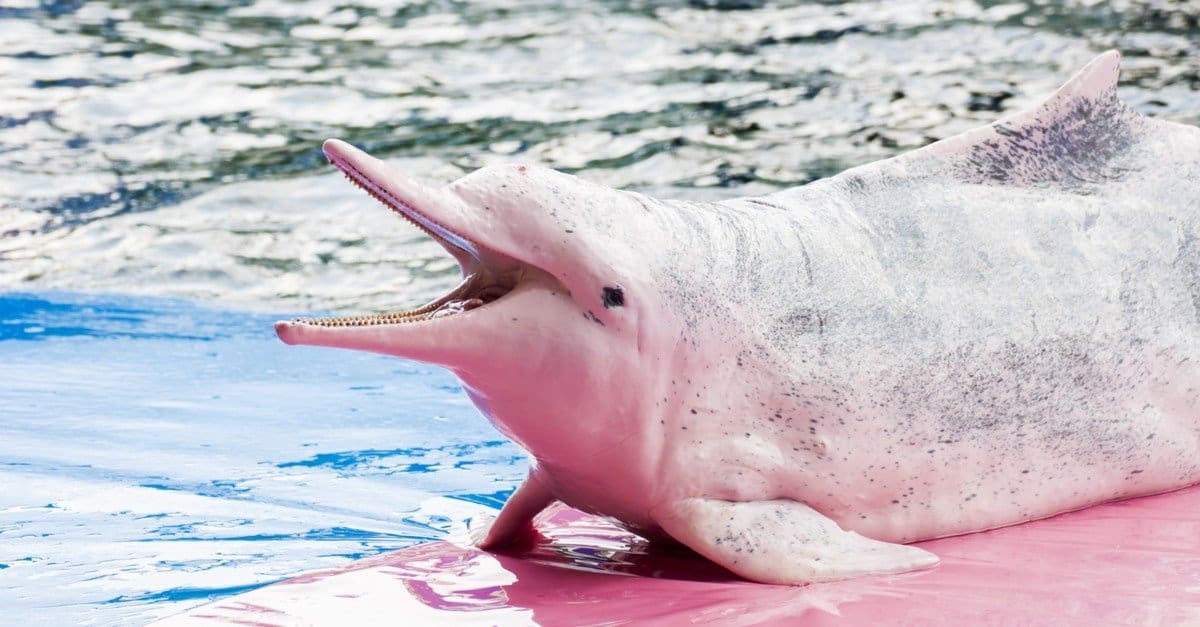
column 482, row 282
column 474, row 291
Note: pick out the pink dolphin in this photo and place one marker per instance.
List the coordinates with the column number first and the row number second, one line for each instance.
column 996, row 328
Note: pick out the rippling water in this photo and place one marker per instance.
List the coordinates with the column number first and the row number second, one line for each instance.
column 155, row 454
column 172, row 148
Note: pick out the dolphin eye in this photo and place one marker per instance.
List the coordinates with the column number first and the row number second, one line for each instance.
column 612, row 297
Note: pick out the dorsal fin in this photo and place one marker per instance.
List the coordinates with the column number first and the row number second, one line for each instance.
column 1072, row 137
column 1096, row 81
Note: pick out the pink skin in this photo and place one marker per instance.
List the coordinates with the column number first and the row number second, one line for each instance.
column 553, row 327
column 608, row 423
column 921, row 347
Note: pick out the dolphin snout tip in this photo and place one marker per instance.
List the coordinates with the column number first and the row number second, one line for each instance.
column 285, row 331
column 335, row 147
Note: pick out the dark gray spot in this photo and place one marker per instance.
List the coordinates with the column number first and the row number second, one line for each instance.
column 612, row 297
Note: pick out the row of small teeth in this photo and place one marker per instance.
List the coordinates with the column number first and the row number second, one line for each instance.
column 447, row 309
column 359, row 321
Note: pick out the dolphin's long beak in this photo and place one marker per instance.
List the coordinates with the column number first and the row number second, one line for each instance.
column 487, row 275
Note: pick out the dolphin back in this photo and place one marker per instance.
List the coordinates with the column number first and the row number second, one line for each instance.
column 1077, row 214
column 1081, row 135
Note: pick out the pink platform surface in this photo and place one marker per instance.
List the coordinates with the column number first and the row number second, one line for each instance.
column 1134, row 562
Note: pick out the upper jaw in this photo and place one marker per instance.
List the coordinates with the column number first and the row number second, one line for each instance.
column 487, row 274
column 441, row 214
column 400, row 194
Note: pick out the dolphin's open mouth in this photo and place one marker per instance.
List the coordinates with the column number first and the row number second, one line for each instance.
column 487, row 275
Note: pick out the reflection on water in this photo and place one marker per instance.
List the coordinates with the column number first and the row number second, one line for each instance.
column 1127, row 563
column 116, row 112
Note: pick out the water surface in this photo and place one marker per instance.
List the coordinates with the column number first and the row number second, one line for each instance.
column 173, row 147
column 155, row 454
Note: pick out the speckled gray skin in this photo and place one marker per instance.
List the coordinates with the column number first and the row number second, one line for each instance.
column 996, row 328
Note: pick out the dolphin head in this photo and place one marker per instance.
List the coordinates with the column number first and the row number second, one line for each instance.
column 549, row 310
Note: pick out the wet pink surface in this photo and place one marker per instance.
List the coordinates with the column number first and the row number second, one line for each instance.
column 1132, row 562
